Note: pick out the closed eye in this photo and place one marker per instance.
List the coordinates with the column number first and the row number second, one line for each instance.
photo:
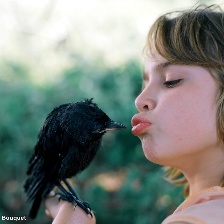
column 172, row 83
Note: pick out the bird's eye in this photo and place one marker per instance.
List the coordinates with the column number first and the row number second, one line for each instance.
column 172, row 83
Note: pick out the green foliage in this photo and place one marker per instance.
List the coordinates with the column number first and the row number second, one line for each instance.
column 53, row 52
column 120, row 184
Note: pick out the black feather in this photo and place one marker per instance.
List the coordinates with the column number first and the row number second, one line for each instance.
column 67, row 142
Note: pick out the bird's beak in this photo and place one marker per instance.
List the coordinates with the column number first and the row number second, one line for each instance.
column 113, row 125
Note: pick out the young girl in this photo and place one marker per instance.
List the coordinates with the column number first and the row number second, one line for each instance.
column 181, row 116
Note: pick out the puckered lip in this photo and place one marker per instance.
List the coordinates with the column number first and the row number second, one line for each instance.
column 139, row 124
column 137, row 119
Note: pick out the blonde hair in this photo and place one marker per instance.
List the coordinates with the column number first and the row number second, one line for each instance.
column 192, row 37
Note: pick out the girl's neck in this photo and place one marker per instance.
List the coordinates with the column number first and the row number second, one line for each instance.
column 205, row 172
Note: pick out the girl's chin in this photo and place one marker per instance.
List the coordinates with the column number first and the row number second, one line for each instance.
column 149, row 153
column 152, row 155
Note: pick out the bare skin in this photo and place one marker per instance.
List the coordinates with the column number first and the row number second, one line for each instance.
column 176, row 124
column 64, row 212
column 179, row 102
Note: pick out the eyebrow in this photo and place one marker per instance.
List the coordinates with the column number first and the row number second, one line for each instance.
column 160, row 66
column 163, row 65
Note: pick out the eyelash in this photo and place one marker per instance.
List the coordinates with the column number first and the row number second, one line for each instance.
column 172, row 83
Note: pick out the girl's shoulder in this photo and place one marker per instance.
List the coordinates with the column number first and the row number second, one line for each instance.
column 205, row 207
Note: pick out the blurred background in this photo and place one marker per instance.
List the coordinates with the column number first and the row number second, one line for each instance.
column 58, row 51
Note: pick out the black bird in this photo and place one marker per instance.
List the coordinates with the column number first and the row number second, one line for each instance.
column 67, row 142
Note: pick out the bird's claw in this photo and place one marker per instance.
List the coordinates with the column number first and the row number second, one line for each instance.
column 84, row 205
column 65, row 197
column 75, row 201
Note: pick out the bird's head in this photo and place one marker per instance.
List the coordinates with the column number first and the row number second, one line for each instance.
column 89, row 122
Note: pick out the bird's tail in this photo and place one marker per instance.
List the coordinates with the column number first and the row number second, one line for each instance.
column 35, row 207
column 34, row 195
column 37, row 194
column 37, row 186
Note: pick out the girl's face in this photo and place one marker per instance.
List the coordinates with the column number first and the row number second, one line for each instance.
column 177, row 113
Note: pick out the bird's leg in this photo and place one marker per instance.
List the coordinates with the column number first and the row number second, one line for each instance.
column 65, row 195
column 74, row 193
column 70, row 188
column 68, row 196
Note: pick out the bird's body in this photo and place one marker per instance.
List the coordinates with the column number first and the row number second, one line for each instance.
column 67, row 143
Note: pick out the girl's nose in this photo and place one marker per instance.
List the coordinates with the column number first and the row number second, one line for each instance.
column 144, row 102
